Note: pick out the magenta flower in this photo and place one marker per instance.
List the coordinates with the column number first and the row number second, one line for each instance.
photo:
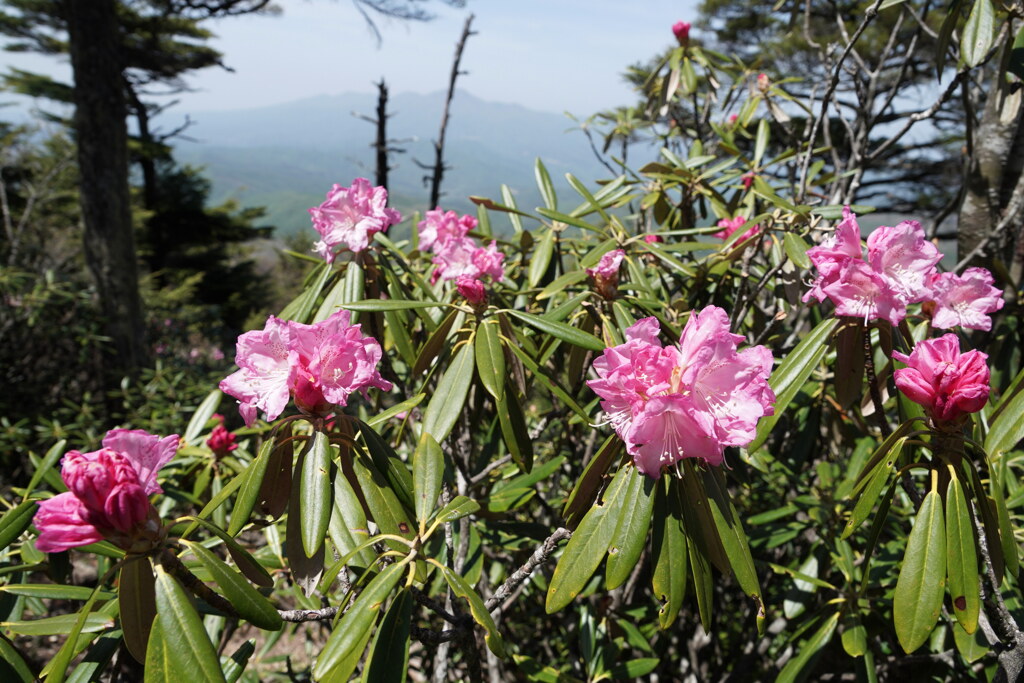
column 965, row 300
column 947, row 383
column 221, row 441
column 108, row 496
column 350, row 216
column 471, row 289
column 651, row 238
column 439, row 227
column 318, row 365
column 731, row 226
column 685, row 401
column 898, row 271
column 681, row 30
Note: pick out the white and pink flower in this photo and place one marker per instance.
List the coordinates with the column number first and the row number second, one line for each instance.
column 350, row 216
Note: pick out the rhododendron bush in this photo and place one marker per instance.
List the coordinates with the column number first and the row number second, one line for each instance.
column 681, row 423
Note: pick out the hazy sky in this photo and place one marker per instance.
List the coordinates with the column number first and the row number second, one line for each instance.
column 549, row 55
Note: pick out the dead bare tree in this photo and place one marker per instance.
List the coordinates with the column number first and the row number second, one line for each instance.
column 384, row 146
column 438, row 167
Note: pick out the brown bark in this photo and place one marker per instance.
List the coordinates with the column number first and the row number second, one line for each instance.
column 102, row 137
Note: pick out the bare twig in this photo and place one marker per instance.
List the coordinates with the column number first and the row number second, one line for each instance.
column 540, row 555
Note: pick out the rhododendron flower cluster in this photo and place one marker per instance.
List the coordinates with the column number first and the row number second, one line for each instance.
column 221, row 441
column 965, row 300
column 456, row 255
column 731, row 226
column 318, row 365
column 350, row 216
column 108, row 494
column 606, row 273
column 947, row 383
column 685, row 401
column 900, row 265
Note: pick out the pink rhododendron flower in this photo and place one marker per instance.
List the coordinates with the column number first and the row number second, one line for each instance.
column 318, row 365
column 947, row 383
column 221, row 441
column 965, row 300
column 439, row 227
column 605, row 274
column 763, row 82
column 461, row 257
column 350, row 216
column 108, row 496
column 471, row 289
column 731, row 226
column 899, row 268
column 651, row 238
column 685, row 401
column 681, row 30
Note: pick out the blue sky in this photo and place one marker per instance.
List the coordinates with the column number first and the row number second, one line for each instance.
column 549, row 55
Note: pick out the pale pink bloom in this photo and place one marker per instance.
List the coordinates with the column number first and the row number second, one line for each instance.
column 471, row 289
column 685, row 401
column 651, row 238
column 681, row 30
column 350, row 216
column 965, row 300
column 905, row 258
column 835, row 251
column 108, row 494
column 608, row 267
column 947, row 383
column 730, row 226
column 488, row 261
column 439, row 227
column 859, row 291
column 763, row 82
column 461, row 257
column 319, row 365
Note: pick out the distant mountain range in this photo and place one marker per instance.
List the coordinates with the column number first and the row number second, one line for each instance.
column 285, row 157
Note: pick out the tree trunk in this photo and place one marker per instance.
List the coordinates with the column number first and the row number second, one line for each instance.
column 102, row 137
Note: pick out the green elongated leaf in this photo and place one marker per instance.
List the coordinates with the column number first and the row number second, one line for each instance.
column 340, row 653
column 276, row 489
column 630, row 535
column 541, row 258
column 202, row 415
column 136, row 599
column 702, row 585
column 961, row 558
column 477, row 608
column 59, row 625
column 54, row 591
column 634, row 668
column 671, row 566
column 300, row 307
column 583, row 493
column 490, row 358
column 236, row 663
column 249, row 491
column 186, row 647
column 457, row 508
column 398, row 325
column 315, row 494
column 787, row 379
column 214, row 503
column 1016, row 65
column 435, row 342
column 566, row 333
column 854, row 636
column 922, row 581
column 83, row 622
column 247, row 564
column 510, row 203
column 160, row 666
column 1007, row 429
column 306, row 571
column 246, row 600
column 334, row 299
column 514, row 430
column 404, row 406
column 878, row 479
column 971, row 647
column 390, row 305
column 561, row 284
column 1006, row 530
column 796, row 248
column 979, row 31
column 730, row 531
column 388, row 661
column 761, row 144
column 799, row 667
column 547, row 189
column 689, row 77
column 355, row 284
column 49, row 460
column 387, row 512
column 586, row 548
column 15, row 521
column 348, row 523
column 13, row 666
column 590, row 204
column 551, row 385
column 390, row 465
column 849, row 367
column 450, row 395
column 796, row 600
column 427, row 476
